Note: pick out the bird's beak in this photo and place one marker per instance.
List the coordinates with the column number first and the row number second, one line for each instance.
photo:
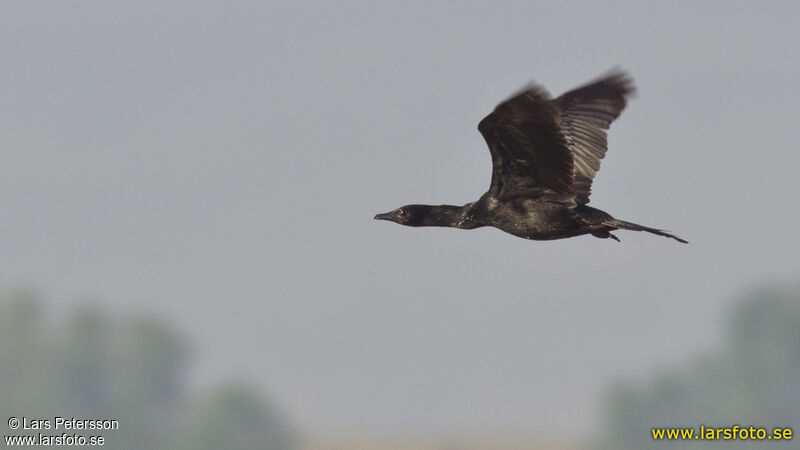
column 384, row 216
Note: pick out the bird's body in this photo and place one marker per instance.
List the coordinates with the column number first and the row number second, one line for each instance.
column 545, row 154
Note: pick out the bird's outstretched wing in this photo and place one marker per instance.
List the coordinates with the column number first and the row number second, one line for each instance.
column 529, row 153
column 586, row 112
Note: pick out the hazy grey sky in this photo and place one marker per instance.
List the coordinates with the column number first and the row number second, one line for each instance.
column 219, row 164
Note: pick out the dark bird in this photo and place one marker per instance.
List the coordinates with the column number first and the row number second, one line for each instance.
column 545, row 154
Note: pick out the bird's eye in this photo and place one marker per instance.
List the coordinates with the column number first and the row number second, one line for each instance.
column 402, row 213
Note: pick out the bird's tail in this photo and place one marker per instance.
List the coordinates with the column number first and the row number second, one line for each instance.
column 621, row 224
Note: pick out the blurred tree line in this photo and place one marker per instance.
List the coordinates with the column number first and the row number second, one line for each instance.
column 90, row 364
column 753, row 379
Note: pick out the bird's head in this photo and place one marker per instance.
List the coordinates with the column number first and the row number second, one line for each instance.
column 410, row 215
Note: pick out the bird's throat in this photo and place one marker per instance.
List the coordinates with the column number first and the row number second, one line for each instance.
column 444, row 216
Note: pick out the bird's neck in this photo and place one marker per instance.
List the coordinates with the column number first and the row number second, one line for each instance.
column 444, row 216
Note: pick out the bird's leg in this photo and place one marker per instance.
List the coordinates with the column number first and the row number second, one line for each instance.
column 605, row 235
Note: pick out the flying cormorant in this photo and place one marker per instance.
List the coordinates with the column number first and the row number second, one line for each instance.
column 545, row 154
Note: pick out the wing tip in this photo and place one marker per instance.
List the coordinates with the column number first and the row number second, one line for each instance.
column 619, row 79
